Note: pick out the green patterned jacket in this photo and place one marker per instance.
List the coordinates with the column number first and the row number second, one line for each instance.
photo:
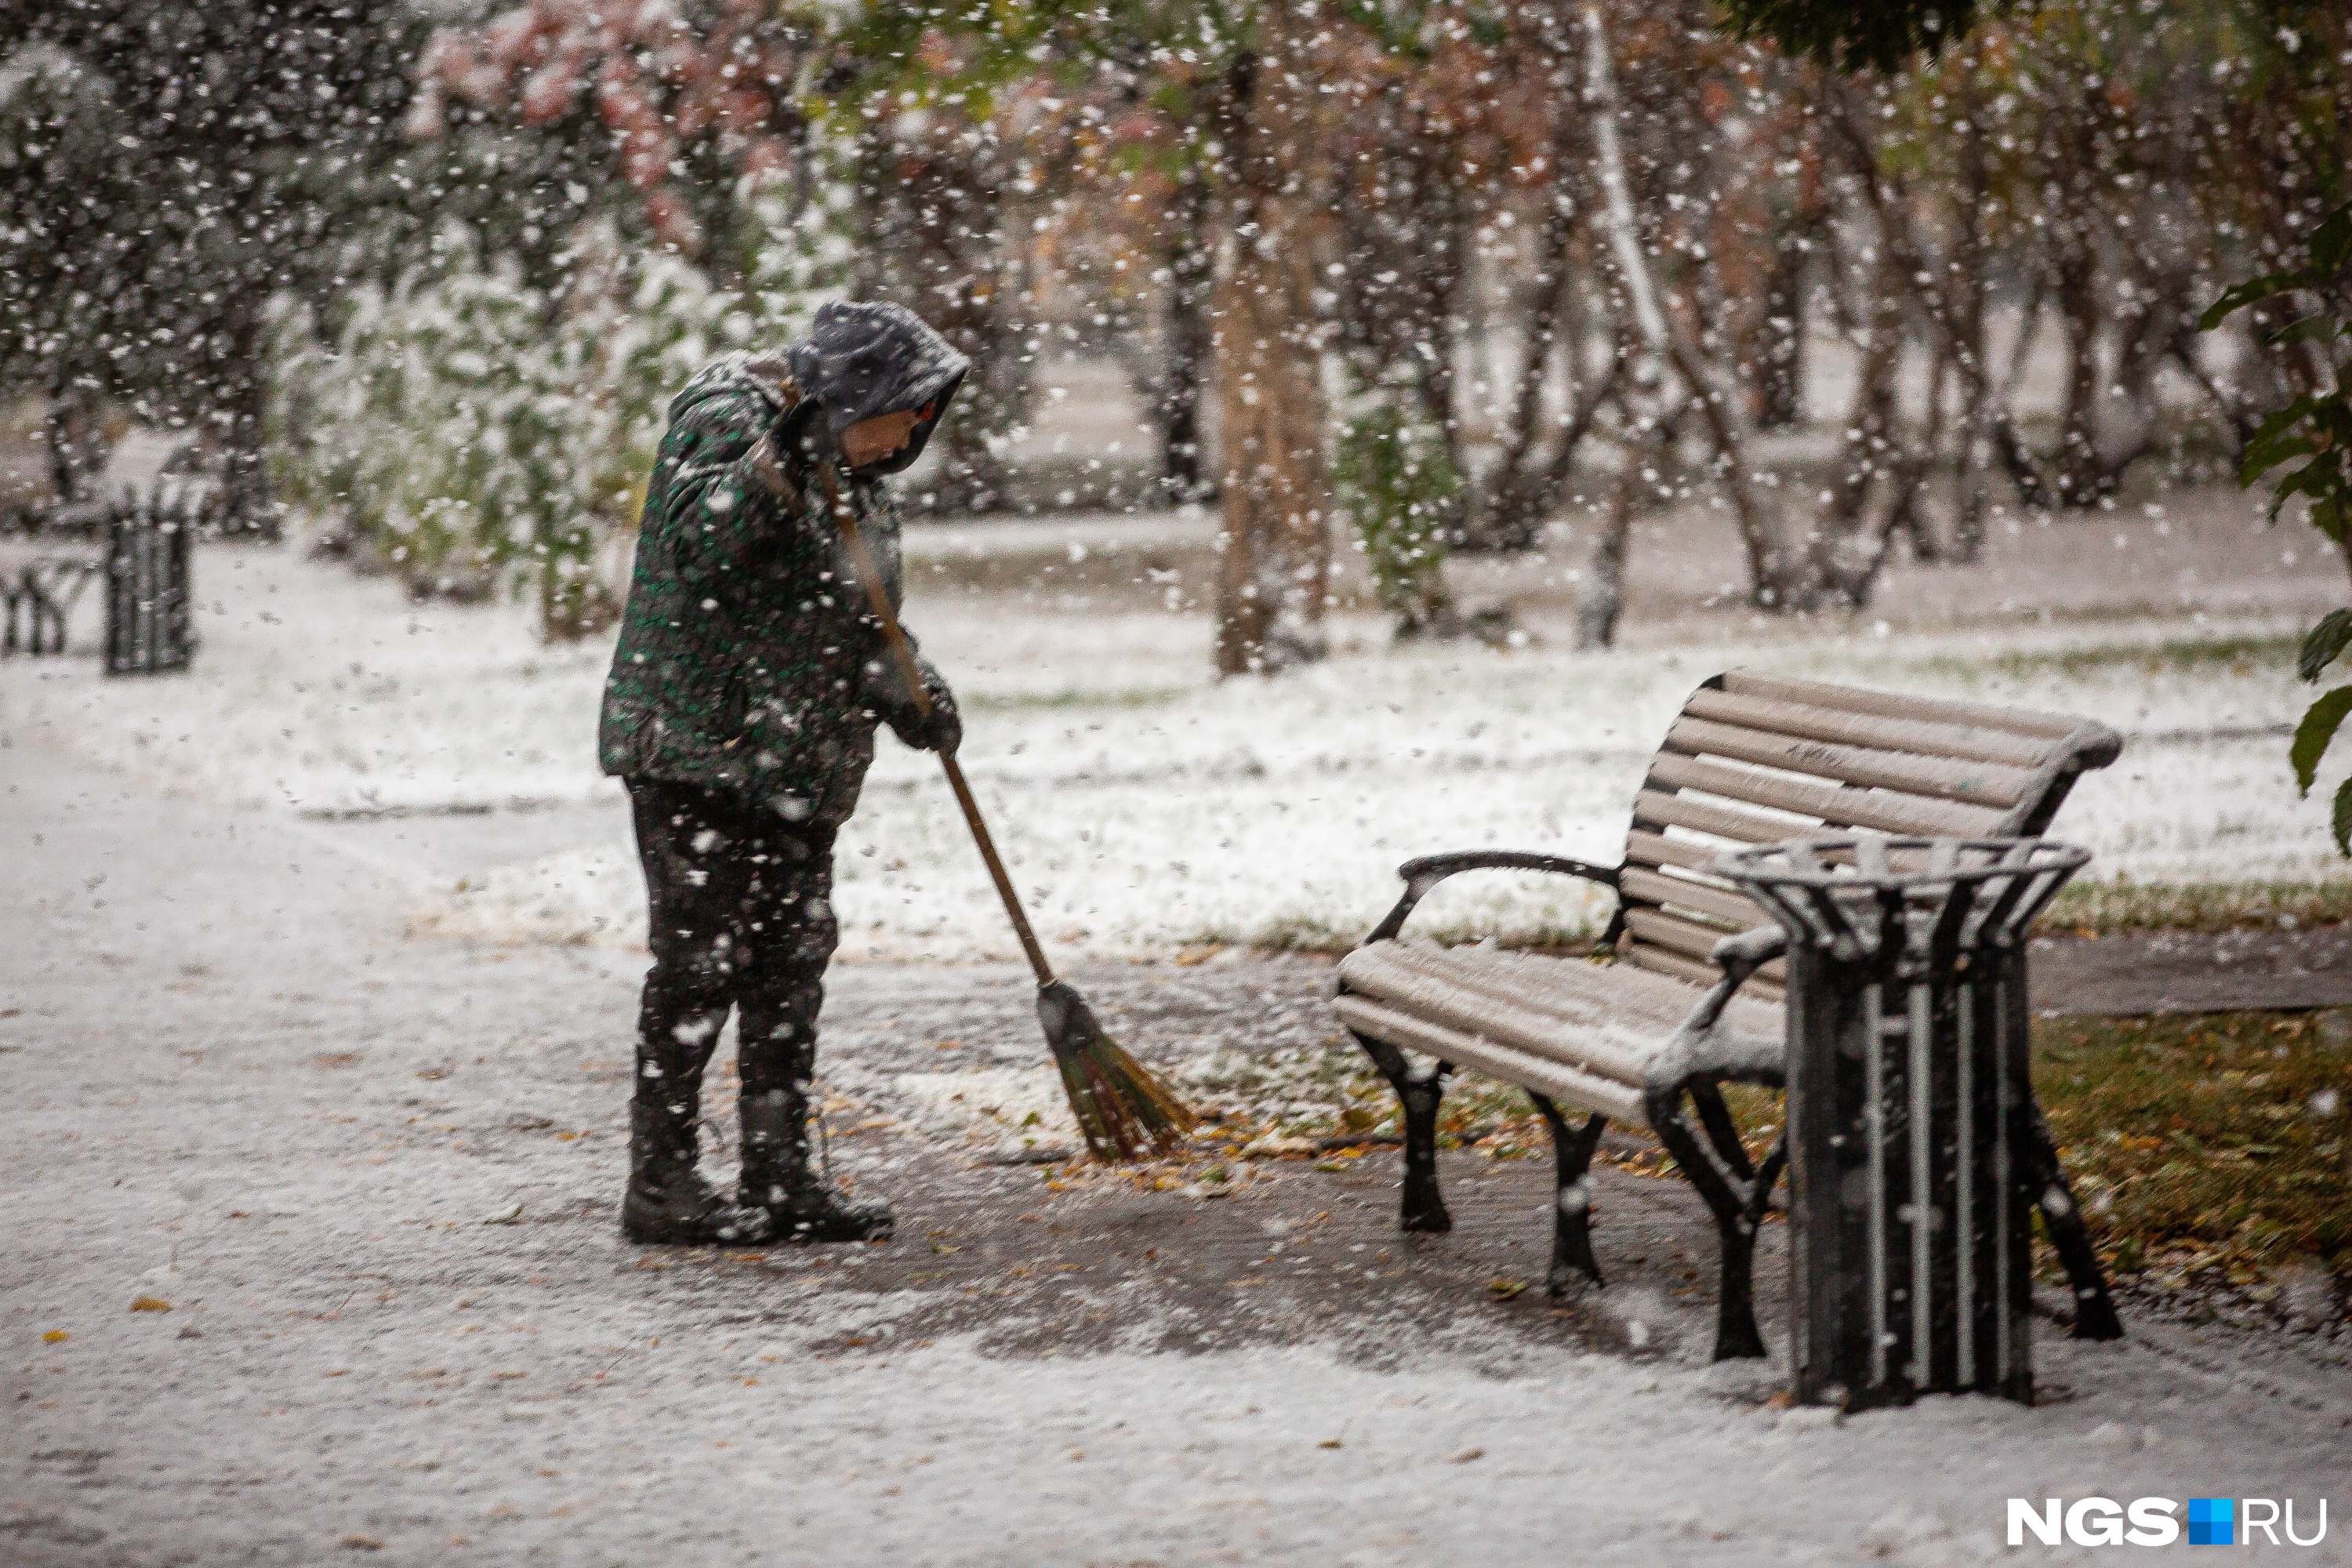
column 748, row 659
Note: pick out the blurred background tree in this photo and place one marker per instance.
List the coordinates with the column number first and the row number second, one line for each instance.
column 169, row 168
column 1592, row 257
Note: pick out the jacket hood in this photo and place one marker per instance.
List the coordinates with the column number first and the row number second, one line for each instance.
column 862, row 360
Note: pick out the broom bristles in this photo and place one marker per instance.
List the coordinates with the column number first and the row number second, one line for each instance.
column 1123, row 1111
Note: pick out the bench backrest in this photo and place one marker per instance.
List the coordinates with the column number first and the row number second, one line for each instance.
column 1755, row 758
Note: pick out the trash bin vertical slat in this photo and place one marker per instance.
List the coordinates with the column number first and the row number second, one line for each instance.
column 1965, row 1185
column 1874, row 1134
column 184, row 643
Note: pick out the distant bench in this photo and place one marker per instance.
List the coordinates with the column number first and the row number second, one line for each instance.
column 1752, row 759
column 39, row 597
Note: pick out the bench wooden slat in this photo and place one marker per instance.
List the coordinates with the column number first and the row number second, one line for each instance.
column 1766, row 985
column 1663, row 810
column 1676, row 934
column 1690, row 971
column 1387, row 972
column 1977, row 782
column 1896, row 705
column 1572, row 990
column 1646, row 848
column 1556, row 1079
column 1736, row 910
column 1919, row 737
column 1837, row 805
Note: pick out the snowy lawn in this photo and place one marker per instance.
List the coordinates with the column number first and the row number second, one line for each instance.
column 1143, row 806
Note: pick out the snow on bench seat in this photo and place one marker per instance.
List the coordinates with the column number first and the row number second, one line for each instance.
column 1586, row 1033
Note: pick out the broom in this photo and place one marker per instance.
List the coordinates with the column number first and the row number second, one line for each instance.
column 1121, row 1107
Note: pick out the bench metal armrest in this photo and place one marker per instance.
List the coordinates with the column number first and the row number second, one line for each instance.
column 1738, row 957
column 1423, row 873
column 1694, row 1048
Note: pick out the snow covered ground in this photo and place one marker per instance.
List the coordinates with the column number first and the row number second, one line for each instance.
column 1145, row 807
column 367, row 1190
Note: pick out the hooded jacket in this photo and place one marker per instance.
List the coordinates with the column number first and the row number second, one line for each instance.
column 748, row 659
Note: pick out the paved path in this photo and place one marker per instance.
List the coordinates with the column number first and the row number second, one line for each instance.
column 2193, row 972
column 230, row 1084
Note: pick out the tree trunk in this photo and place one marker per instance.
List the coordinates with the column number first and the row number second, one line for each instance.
column 75, row 438
column 1974, row 458
column 2079, row 469
column 1509, row 516
column 243, row 421
column 1870, row 424
column 1778, row 578
column 1275, row 575
column 1191, row 268
column 1782, row 406
column 1600, row 601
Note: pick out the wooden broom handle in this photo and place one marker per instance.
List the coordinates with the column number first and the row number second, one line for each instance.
column 879, row 598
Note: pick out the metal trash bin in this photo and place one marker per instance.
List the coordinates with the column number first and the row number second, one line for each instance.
column 147, row 630
column 1916, row 1149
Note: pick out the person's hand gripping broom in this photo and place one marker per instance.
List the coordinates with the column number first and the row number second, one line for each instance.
column 1121, row 1107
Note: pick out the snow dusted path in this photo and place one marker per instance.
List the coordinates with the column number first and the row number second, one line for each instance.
column 232, row 1084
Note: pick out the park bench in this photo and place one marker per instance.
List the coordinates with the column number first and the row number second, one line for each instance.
column 37, row 601
column 1665, row 1012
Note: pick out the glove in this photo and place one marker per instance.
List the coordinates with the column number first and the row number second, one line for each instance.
column 938, row 731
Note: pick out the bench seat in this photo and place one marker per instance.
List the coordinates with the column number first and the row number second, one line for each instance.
column 1587, row 1034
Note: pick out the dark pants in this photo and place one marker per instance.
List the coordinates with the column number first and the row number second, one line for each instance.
column 741, row 917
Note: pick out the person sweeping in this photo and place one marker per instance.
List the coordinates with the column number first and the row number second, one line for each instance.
column 740, row 711
column 759, row 650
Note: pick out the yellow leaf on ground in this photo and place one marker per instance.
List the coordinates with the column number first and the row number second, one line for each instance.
column 150, row 1304
column 56, row 1337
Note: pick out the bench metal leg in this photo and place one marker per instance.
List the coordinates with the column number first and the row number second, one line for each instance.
column 1736, row 1202
column 1571, row 1217
column 1423, row 1206
column 2094, row 1310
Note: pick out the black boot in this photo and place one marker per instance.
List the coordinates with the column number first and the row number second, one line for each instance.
column 670, row 1203
column 802, row 1205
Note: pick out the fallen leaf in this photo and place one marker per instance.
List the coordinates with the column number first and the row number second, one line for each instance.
column 360, row 1543
column 56, row 1337
column 150, row 1304
column 1466, row 1455
column 1328, row 1443
column 505, row 1216
column 1505, row 1290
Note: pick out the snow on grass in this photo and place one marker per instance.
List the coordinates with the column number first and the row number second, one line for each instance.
column 1141, row 805
column 330, row 693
